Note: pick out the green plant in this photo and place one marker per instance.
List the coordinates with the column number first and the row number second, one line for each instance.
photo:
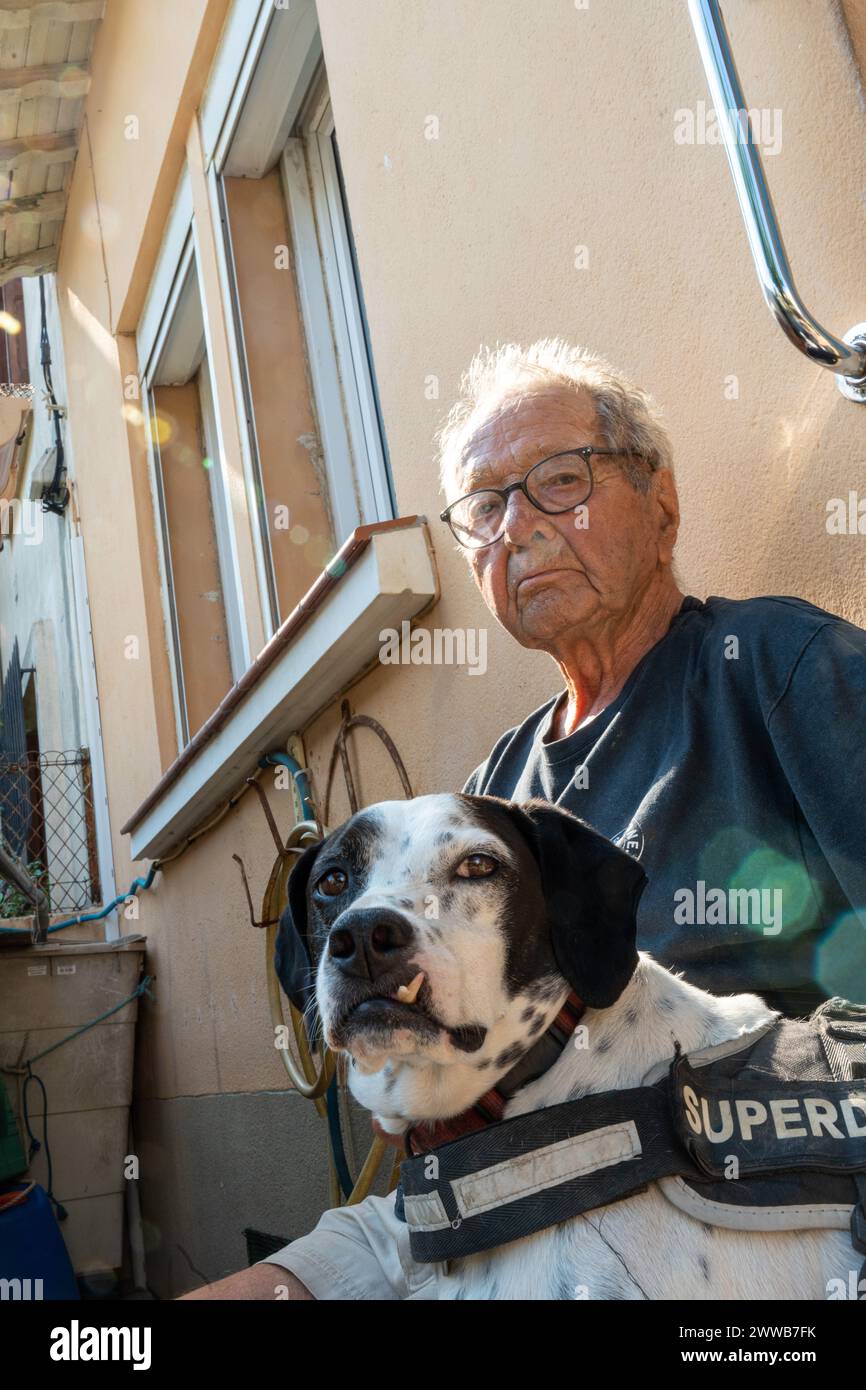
column 13, row 903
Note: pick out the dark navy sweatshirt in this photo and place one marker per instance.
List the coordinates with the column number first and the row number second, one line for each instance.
column 732, row 764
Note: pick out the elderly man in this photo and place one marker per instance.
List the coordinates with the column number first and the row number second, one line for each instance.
column 685, row 731
column 719, row 742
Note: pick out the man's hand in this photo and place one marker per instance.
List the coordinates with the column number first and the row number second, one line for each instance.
column 259, row 1282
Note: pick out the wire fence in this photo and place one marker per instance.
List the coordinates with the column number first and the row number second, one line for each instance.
column 47, row 821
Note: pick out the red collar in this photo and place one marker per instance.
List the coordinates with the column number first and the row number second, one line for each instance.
column 426, row 1135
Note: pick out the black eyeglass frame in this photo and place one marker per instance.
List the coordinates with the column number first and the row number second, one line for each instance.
column 585, row 451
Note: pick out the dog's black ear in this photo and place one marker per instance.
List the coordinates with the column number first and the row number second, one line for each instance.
column 293, row 959
column 592, row 889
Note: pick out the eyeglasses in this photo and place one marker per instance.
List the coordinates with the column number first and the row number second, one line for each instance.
column 555, row 485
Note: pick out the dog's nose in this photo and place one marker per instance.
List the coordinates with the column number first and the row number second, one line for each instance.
column 371, row 941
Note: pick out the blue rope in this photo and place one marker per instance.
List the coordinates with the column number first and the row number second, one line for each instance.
column 94, row 916
column 304, row 793
column 141, row 988
column 269, row 760
column 336, row 1133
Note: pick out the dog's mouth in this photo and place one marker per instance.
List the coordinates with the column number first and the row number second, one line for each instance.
column 379, row 1010
column 404, row 1006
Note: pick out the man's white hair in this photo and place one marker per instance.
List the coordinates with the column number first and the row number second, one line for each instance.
column 628, row 417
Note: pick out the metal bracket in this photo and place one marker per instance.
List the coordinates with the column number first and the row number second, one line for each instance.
column 854, row 388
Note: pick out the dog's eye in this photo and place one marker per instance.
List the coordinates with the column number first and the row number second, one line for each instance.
column 332, row 884
column 476, row 866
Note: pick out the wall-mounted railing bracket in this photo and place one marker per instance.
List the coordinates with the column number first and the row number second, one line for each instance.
column 845, row 357
column 852, row 388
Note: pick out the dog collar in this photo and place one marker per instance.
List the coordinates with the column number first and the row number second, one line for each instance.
column 424, row 1136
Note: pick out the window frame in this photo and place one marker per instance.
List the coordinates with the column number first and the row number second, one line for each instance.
column 345, row 292
column 251, row 458
column 177, row 260
column 226, row 558
column 385, row 572
column 167, row 590
column 281, row 74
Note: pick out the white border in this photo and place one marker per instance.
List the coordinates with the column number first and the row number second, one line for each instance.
column 267, row 101
column 227, row 536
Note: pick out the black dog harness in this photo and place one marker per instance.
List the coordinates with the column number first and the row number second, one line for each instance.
column 764, row 1132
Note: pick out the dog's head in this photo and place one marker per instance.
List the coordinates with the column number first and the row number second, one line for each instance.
column 449, row 929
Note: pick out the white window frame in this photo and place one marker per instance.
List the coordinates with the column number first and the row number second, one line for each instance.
column 280, row 49
column 253, row 480
column 178, row 255
column 278, row 74
column 338, row 267
column 226, row 557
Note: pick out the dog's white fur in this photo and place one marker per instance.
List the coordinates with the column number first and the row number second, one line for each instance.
column 639, row 1248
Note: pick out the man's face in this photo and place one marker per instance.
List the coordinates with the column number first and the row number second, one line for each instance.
column 547, row 577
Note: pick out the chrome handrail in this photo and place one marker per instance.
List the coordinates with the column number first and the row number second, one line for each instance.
column 845, row 357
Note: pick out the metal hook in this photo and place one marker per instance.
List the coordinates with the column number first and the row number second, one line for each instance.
column 269, row 815
column 271, row 921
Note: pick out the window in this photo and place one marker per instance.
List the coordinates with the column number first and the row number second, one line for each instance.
column 289, row 397
column 265, row 459
column 14, row 397
column 13, row 334
column 202, row 609
column 338, row 262
column 305, row 375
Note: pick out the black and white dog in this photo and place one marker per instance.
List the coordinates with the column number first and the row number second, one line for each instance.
column 439, row 938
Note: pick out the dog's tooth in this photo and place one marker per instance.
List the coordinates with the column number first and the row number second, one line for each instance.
column 407, row 994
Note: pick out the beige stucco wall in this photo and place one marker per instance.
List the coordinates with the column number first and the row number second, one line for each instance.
column 149, row 65
column 556, row 130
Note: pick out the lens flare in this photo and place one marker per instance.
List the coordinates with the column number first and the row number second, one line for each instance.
column 161, row 429
column 840, row 959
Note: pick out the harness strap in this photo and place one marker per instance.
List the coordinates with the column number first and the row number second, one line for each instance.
column 534, row 1170
column 842, row 1037
column 700, row 1122
column 858, row 1226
